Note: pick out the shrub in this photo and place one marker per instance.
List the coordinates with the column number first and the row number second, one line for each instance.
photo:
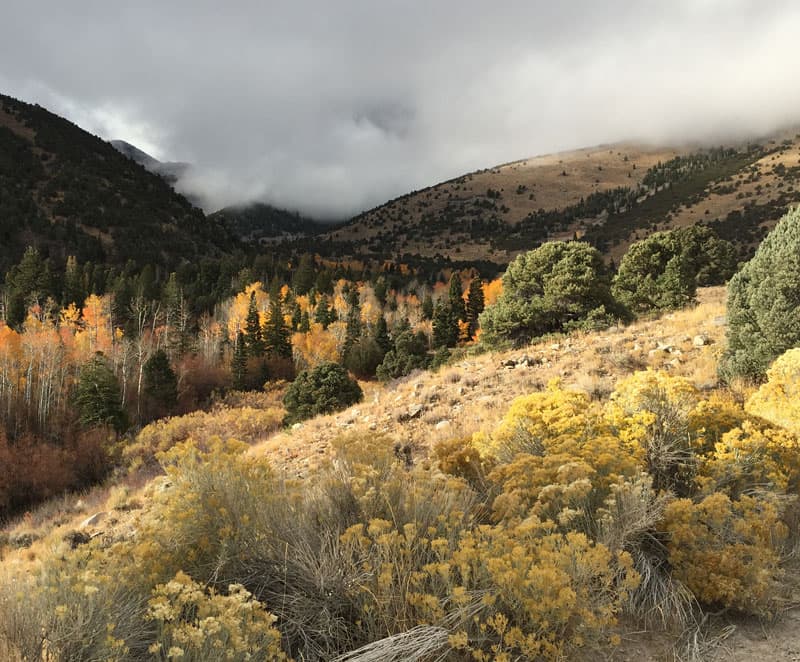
column 244, row 423
column 778, row 400
column 363, row 357
column 553, row 288
column 726, row 552
column 655, row 274
column 325, row 389
column 663, row 271
column 35, row 469
column 200, row 624
column 410, row 352
column 764, row 303
column 650, row 411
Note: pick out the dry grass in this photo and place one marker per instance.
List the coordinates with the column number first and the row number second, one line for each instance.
column 458, row 400
column 554, row 181
column 474, row 393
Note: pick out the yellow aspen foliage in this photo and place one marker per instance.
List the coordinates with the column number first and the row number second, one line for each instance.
column 238, row 307
column 727, row 552
column 316, row 346
column 96, row 333
column 778, row 400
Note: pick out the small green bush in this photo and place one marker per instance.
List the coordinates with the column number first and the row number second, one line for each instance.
column 325, row 389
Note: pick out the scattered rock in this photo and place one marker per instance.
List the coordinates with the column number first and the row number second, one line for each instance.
column 414, row 411
column 701, row 340
column 92, row 520
column 555, row 347
column 297, row 426
column 442, row 425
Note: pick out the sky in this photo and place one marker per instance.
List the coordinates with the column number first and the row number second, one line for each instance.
column 331, row 108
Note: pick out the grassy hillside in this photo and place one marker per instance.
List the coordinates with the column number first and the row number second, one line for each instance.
column 610, row 195
column 70, row 193
column 412, row 529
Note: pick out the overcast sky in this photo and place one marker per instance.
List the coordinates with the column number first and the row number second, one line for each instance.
column 334, row 106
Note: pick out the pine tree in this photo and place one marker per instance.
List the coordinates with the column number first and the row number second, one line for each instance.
column 353, row 330
column 297, row 316
column 764, row 303
column 98, row 397
column 381, row 290
column 381, row 334
column 305, row 323
column 160, row 384
column 276, row 335
column 73, row 283
column 445, row 326
column 427, row 306
column 475, row 305
column 239, row 363
column 323, row 314
column 455, row 298
column 29, row 280
column 303, row 279
column 254, row 341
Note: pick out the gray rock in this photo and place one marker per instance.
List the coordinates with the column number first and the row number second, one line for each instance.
column 93, row 520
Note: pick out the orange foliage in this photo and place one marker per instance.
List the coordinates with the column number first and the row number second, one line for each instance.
column 492, row 291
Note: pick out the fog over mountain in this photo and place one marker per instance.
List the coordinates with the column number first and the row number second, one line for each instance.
column 331, row 108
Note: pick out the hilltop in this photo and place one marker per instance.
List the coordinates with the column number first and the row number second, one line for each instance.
column 609, row 195
column 70, row 193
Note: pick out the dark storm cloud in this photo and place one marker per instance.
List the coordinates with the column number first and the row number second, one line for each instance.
column 332, row 107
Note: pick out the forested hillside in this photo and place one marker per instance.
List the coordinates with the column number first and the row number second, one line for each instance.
column 70, row 193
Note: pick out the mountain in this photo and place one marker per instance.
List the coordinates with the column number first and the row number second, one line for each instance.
column 171, row 171
column 259, row 223
column 610, row 195
column 68, row 192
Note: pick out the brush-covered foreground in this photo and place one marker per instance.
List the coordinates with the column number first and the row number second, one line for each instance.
column 623, row 491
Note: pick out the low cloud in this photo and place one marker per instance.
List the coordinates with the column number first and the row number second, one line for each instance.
column 332, row 108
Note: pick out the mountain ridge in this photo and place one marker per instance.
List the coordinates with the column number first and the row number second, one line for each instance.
column 69, row 192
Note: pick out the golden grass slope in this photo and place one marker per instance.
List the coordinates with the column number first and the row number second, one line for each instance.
column 557, row 181
column 551, row 181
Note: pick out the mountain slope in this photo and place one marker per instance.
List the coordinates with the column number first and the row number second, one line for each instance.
column 171, row 171
column 610, row 195
column 70, row 193
column 264, row 224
